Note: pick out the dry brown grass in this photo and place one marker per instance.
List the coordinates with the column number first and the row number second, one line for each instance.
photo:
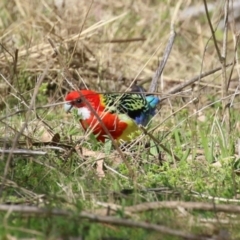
column 106, row 45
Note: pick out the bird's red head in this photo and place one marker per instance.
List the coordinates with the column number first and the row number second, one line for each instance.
column 77, row 98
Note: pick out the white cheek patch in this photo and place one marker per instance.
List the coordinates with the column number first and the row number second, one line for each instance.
column 84, row 113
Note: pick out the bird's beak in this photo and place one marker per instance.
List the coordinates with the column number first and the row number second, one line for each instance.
column 68, row 107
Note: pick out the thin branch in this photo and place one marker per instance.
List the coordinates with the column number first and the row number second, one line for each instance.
column 212, row 31
column 15, row 62
column 232, row 68
column 23, row 152
column 194, row 79
column 101, row 219
column 142, row 207
column 158, row 73
column 225, row 81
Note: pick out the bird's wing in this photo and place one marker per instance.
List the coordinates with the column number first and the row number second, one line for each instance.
column 132, row 104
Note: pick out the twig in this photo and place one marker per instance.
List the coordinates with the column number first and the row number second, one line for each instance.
column 212, row 31
column 194, row 79
column 232, row 68
column 158, row 73
column 116, row 40
column 225, row 80
column 224, row 50
column 114, row 171
column 219, row 199
column 23, row 152
column 15, row 62
column 101, row 219
column 142, row 207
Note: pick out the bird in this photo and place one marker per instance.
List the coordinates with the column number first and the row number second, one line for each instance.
column 121, row 113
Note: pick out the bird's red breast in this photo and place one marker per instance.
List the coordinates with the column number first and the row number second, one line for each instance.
column 111, row 121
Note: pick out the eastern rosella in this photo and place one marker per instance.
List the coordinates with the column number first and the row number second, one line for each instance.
column 120, row 113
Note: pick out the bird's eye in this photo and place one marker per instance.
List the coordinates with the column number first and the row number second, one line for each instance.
column 78, row 100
